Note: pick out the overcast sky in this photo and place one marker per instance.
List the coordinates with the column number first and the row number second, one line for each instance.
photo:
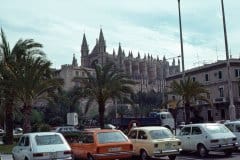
column 145, row 26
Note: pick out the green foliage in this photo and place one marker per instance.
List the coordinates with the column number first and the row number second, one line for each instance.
column 107, row 83
column 44, row 128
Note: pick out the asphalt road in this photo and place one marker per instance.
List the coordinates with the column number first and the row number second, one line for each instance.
column 189, row 156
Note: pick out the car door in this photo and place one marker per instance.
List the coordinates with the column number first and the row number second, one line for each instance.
column 237, row 132
column 132, row 136
column 17, row 149
column 184, row 136
column 142, row 141
column 195, row 138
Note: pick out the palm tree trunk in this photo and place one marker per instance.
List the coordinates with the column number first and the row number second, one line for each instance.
column 9, row 121
column 101, row 110
column 187, row 110
column 27, row 109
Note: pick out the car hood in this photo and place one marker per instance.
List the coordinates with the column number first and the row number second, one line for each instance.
column 51, row 148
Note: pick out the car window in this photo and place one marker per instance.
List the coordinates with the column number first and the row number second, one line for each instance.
column 48, row 139
column 142, row 135
column 213, row 129
column 159, row 134
column 230, row 127
column 237, row 127
column 111, row 137
column 132, row 134
column 87, row 138
column 185, row 131
column 21, row 141
column 26, row 143
column 163, row 116
column 196, row 131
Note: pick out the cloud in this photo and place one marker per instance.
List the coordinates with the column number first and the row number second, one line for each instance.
column 139, row 25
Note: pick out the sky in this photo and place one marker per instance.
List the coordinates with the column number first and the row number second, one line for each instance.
column 145, row 26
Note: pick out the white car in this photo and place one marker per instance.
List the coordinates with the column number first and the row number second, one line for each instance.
column 205, row 137
column 42, row 145
column 234, row 126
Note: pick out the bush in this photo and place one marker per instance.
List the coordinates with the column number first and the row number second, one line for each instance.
column 44, row 128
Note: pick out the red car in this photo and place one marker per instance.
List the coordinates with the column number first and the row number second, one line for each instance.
column 105, row 144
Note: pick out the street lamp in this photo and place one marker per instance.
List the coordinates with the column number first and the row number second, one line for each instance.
column 232, row 112
column 181, row 39
column 182, row 55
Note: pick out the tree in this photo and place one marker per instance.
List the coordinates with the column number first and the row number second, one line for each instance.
column 107, row 83
column 9, row 57
column 31, row 79
column 190, row 91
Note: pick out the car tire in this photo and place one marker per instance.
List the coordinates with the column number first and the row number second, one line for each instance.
column 172, row 157
column 25, row 158
column 143, row 155
column 228, row 152
column 90, row 157
column 202, row 151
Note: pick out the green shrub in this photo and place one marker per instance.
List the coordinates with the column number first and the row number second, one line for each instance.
column 44, row 128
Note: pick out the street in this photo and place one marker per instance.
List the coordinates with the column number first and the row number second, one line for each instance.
column 189, row 156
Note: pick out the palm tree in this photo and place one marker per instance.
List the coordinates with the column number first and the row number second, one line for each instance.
column 106, row 84
column 31, row 80
column 10, row 56
column 190, row 91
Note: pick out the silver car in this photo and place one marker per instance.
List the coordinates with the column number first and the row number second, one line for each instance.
column 205, row 137
column 234, row 126
column 42, row 145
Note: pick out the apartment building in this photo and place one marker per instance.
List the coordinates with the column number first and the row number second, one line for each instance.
column 215, row 79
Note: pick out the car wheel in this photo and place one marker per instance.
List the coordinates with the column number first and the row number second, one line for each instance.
column 143, row 155
column 172, row 157
column 90, row 157
column 228, row 152
column 202, row 151
column 25, row 158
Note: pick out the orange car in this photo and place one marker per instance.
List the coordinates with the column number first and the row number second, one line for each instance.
column 105, row 144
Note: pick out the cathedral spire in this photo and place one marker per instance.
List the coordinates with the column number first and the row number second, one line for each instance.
column 102, row 43
column 74, row 61
column 84, row 47
column 119, row 50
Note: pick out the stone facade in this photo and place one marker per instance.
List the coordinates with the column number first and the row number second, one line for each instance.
column 148, row 70
column 214, row 78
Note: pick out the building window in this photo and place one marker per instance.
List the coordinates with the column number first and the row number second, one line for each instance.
column 237, row 72
column 77, row 73
column 208, row 95
column 193, row 79
column 173, row 98
column 206, row 77
column 239, row 90
column 219, row 74
column 220, row 89
column 83, row 74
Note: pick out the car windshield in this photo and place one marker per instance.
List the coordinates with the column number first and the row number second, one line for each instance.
column 159, row 134
column 48, row 140
column 216, row 129
column 111, row 137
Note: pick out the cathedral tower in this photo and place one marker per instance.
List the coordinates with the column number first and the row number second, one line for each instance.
column 84, row 52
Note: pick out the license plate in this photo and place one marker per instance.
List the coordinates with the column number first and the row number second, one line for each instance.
column 53, row 155
column 115, row 149
column 168, row 146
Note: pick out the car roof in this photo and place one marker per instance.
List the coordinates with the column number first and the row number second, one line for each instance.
column 150, row 128
column 202, row 124
column 233, row 122
column 97, row 130
column 41, row 133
